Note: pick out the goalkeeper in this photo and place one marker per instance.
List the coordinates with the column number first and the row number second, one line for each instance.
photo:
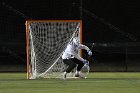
column 72, row 58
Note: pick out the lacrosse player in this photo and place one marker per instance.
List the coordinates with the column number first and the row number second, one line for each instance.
column 72, row 58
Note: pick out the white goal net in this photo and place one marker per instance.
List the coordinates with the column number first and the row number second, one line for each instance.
column 46, row 41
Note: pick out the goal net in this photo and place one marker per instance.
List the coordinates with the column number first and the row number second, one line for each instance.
column 46, row 40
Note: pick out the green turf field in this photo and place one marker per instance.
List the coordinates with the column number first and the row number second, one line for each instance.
column 96, row 83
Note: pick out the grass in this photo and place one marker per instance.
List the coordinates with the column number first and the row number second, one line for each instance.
column 118, row 82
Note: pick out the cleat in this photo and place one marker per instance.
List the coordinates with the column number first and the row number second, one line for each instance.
column 79, row 75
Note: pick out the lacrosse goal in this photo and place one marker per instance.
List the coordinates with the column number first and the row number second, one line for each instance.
column 45, row 42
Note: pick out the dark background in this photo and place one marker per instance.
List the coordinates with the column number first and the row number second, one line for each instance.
column 112, row 25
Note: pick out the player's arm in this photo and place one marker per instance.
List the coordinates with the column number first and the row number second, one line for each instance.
column 81, row 59
column 86, row 48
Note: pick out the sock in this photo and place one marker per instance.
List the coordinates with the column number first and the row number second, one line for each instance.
column 65, row 72
column 77, row 72
column 65, row 75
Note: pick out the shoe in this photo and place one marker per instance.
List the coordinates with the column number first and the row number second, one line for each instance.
column 79, row 75
column 76, row 75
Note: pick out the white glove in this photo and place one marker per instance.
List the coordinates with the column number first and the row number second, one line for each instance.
column 85, row 62
column 89, row 52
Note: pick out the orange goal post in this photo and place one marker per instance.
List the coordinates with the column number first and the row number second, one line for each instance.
column 45, row 42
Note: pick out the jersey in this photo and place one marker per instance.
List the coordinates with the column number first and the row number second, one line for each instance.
column 72, row 49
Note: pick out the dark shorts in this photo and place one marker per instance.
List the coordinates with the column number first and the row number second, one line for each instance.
column 72, row 63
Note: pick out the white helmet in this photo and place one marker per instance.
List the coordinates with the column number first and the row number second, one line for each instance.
column 76, row 40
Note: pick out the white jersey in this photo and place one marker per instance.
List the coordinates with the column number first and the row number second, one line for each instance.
column 72, row 50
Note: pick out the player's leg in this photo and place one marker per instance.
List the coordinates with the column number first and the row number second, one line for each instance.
column 71, row 65
column 79, row 67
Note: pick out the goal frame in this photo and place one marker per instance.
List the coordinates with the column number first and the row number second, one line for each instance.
column 27, row 37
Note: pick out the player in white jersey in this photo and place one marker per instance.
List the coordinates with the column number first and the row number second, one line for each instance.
column 72, row 58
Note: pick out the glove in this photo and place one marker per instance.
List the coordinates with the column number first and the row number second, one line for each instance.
column 89, row 52
column 85, row 62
